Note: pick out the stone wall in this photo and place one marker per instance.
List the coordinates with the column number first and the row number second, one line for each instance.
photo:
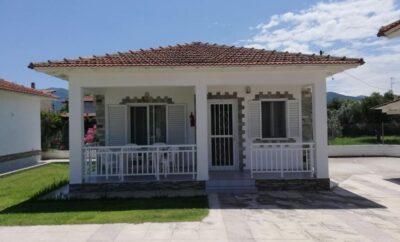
column 137, row 189
column 306, row 110
column 276, row 95
column 147, row 99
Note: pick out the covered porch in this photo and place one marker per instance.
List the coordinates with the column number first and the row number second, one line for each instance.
column 200, row 133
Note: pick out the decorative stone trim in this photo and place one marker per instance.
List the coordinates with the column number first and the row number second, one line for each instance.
column 293, row 184
column 137, row 189
column 20, row 155
column 272, row 141
column 147, row 99
column 306, row 111
column 270, row 95
column 276, row 95
column 240, row 118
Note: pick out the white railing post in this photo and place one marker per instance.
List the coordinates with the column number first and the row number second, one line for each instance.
column 84, row 155
column 281, row 160
column 106, row 164
column 251, row 160
column 193, row 162
column 157, row 164
column 121, row 161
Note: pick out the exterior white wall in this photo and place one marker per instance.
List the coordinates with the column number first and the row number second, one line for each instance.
column 274, row 77
column 364, row 150
column 294, row 90
column 20, row 123
column 76, row 129
column 393, row 34
column 179, row 95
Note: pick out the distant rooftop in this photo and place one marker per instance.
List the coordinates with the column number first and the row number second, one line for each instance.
column 13, row 87
column 384, row 30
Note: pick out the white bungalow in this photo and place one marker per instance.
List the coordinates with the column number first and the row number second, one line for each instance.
column 200, row 112
column 20, row 144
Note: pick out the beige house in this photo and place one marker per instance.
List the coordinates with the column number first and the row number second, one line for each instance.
column 391, row 30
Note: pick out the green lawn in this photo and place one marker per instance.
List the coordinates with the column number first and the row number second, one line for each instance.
column 363, row 140
column 18, row 205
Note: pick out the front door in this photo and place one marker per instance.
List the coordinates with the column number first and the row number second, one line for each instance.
column 222, row 123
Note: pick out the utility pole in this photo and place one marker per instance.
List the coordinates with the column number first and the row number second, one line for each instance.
column 391, row 83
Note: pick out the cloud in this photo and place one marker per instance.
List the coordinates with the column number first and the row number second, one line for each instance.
column 340, row 27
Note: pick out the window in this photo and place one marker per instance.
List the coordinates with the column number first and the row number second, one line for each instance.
column 273, row 119
column 148, row 124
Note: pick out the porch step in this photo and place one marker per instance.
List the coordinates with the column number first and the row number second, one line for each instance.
column 231, row 186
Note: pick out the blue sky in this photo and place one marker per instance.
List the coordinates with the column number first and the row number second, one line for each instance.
column 43, row 30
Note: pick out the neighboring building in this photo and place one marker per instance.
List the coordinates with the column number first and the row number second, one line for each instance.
column 391, row 30
column 202, row 114
column 89, row 107
column 20, row 125
column 389, row 108
column 46, row 105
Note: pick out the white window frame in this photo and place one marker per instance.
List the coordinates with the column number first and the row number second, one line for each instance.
column 286, row 118
column 147, row 105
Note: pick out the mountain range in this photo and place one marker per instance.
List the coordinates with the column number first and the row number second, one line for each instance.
column 331, row 95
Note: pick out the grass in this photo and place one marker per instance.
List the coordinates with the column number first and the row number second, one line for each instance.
column 363, row 140
column 19, row 204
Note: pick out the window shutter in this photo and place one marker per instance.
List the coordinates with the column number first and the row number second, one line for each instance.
column 293, row 116
column 254, row 119
column 176, row 124
column 116, row 128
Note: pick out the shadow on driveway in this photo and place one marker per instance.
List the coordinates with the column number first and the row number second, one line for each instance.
column 337, row 198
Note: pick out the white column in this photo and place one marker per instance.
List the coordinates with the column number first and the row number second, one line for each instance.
column 320, row 127
column 76, row 129
column 201, row 132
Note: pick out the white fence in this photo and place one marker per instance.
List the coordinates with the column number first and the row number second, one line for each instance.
column 364, row 150
column 282, row 158
column 150, row 160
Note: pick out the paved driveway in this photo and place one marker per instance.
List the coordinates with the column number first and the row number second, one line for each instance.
column 365, row 207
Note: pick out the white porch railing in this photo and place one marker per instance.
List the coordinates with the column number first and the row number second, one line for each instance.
column 282, row 158
column 130, row 161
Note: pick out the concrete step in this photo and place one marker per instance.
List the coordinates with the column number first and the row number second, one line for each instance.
column 231, row 186
column 248, row 189
column 231, row 183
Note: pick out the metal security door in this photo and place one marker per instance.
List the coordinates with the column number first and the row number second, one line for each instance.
column 222, row 134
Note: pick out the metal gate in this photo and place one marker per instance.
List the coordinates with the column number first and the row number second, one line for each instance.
column 222, row 116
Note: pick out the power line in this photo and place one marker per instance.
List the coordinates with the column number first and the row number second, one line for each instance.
column 364, row 82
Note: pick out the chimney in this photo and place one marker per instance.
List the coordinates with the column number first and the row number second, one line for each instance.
column 33, row 85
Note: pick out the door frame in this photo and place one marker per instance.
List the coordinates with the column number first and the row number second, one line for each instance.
column 235, row 134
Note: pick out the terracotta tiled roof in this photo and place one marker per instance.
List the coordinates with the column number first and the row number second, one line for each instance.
column 384, row 29
column 9, row 86
column 198, row 54
column 386, row 103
